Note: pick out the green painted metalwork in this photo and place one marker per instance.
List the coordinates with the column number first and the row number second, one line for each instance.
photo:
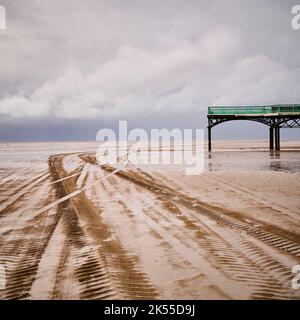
column 257, row 110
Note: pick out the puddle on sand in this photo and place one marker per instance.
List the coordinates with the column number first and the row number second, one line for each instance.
column 287, row 161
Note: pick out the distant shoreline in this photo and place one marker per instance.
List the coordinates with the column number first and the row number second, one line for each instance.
column 94, row 141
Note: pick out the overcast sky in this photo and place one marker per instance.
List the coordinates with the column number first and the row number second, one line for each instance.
column 70, row 67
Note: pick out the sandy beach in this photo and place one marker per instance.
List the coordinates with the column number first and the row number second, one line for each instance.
column 71, row 228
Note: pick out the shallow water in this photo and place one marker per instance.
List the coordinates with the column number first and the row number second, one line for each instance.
column 228, row 157
column 287, row 161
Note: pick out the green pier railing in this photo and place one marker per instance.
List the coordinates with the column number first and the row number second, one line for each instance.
column 251, row 110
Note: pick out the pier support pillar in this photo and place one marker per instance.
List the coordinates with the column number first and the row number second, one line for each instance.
column 271, row 138
column 277, row 138
column 209, row 138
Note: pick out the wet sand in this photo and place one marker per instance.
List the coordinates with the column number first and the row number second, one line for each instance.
column 232, row 232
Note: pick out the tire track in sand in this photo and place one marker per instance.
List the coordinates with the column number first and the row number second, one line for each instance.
column 240, row 258
column 106, row 269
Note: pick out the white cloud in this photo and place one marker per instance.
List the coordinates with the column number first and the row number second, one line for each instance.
column 111, row 60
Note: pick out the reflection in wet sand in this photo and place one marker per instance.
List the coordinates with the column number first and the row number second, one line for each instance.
column 287, row 161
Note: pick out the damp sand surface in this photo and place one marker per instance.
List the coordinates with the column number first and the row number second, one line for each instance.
column 71, row 228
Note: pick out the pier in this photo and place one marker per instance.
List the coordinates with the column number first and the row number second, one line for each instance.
column 274, row 116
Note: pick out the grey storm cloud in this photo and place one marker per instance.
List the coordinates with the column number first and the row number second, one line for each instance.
column 116, row 59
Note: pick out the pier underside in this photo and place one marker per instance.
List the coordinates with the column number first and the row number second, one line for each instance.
column 275, row 118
